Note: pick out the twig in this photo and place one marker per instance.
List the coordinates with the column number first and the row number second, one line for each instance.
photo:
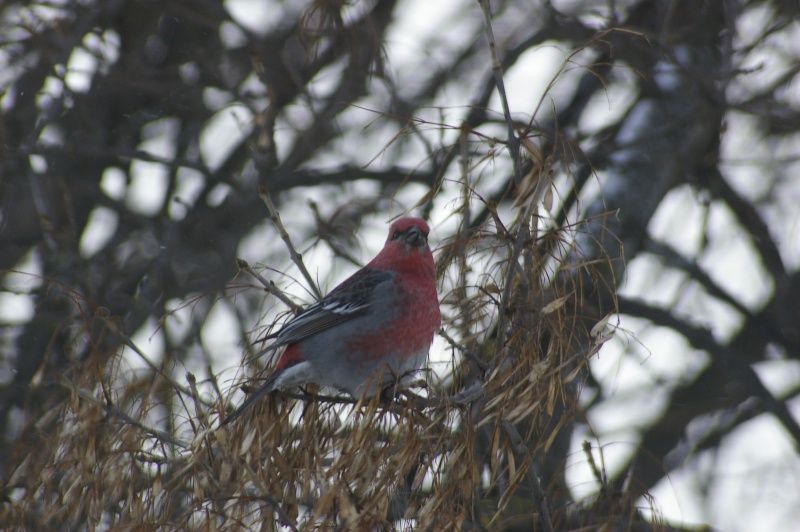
column 521, row 449
column 269, row 286
column 116, row 412
column 598, row 475
column 111, row 323
column 497, row 70
column 192, row 380
column 513, row 145
column 521, row 237
column 469, row 354
column 263, row 193
column 468, row 395
column 326, row 233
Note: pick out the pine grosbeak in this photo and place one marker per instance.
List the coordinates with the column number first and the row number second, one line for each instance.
column 375, row 327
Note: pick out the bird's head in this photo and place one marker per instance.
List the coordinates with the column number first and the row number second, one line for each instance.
column 410, row 232
column 407, row 250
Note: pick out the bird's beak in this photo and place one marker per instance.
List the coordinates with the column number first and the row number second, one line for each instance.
column 414, row 237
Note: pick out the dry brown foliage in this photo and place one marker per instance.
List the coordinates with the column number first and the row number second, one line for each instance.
column 142, row 447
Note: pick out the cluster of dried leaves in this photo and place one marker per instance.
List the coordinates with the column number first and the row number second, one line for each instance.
column 127, row 447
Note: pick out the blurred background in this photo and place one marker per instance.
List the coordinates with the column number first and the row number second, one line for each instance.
column 660, row 142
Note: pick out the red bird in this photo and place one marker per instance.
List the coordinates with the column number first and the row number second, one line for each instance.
column 375, row 327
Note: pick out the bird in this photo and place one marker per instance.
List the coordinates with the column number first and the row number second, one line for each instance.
column 374, row 328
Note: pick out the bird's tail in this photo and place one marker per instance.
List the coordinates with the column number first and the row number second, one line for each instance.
column 261, row 392
column 264, row 351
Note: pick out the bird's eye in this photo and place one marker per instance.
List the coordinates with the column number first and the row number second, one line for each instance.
column 396, row 235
